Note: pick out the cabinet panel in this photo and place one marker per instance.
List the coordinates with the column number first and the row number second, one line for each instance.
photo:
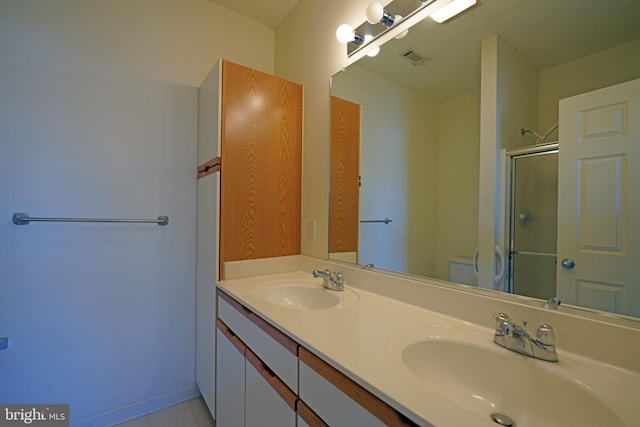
column 207, row 241
column 277, row 350
column 230, row 380
column 308, row 418
column 261, row 165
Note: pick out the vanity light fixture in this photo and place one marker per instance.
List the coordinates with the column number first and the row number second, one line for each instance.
column 376, row 13
column 345, row 34
column 450, row 8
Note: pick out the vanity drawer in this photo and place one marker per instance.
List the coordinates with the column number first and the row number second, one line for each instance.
column 274, row 348
column 339, row 401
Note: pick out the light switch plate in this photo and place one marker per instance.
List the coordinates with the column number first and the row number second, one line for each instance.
column 311, row 229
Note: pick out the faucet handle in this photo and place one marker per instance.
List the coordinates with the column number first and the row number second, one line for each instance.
column 501, row 318
column 503, row 324
column 546, row 335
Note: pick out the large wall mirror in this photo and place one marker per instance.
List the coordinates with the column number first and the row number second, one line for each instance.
column 488, row 102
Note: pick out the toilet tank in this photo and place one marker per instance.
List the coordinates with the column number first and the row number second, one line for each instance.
column 461, row 271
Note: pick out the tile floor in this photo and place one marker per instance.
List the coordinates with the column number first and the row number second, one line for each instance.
column 192, row 413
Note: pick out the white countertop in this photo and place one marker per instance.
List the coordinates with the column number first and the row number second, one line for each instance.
column 364, row 341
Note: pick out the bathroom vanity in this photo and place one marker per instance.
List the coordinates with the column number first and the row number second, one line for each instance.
column 293, row 353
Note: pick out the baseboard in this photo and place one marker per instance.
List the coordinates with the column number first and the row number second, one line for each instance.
column 139, row 409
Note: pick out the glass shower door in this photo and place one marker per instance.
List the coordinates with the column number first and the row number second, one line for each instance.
column 533, row 220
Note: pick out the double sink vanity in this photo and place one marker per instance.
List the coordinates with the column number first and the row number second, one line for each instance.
column 382, row 351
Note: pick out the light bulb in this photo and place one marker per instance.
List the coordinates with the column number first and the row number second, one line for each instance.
column 374, row 13
column 372, row 52
column 344, row 33
column 403, row 34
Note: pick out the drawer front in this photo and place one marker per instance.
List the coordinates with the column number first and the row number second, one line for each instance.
column 338, row 400
column 332, row 405
column 274, row 348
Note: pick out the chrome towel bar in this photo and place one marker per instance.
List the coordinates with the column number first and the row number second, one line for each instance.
column 21, row 218
column 386, row 220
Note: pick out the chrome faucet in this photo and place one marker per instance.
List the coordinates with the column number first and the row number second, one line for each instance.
column 514, row 337
column 330, row 280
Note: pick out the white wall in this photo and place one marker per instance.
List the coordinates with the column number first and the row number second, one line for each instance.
column 98, row 118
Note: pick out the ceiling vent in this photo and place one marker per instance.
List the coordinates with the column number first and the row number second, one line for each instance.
column 415, row 58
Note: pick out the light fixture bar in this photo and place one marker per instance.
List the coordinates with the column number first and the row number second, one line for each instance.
column 451, row 9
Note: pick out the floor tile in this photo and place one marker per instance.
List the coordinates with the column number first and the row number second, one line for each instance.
column 193, row 413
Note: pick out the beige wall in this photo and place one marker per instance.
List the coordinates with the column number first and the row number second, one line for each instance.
column 98, row 103
column 398, row 154
column 176, row 41
column 307, row 52
column 517, row 96
column 608, row 67
column 458, row 172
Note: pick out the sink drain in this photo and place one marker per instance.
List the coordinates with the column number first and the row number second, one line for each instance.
column 503, row 420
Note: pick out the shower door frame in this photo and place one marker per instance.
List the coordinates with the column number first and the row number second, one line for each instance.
column 511, row 156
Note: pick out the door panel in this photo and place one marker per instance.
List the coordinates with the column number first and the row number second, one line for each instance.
column 599, row 159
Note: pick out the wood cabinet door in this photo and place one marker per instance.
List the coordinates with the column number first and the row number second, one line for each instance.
column 261, row 178
column 344, row 195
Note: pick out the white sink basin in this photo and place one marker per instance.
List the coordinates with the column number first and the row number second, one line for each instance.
column 466, row 368
column 301, row 294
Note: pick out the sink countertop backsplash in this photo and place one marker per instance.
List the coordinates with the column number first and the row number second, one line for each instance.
column 360, row 338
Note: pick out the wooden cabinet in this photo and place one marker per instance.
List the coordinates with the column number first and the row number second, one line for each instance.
column 344, row 194
column 284, row 383
column 261, row 187
column 250, row 131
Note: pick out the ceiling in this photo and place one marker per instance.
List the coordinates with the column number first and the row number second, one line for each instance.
column 268, row 12
column 545, row 32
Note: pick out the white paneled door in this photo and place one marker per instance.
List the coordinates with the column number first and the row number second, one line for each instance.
column 599, row 199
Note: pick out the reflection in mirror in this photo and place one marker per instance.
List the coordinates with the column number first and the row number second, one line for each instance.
column 457, row 111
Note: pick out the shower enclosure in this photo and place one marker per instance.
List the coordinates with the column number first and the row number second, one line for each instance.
column 532, row 220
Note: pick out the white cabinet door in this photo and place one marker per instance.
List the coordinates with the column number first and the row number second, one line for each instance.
column 230, row 383
column 268, row 401
column 206, row 290
column 207, row 241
